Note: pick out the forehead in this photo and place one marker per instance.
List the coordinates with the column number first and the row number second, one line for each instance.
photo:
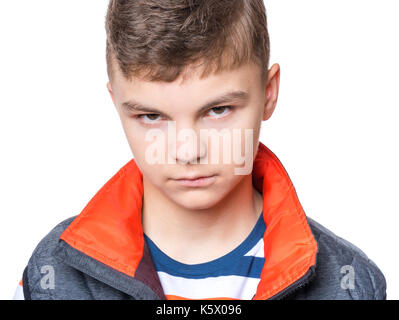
column 189, row 85
column 191, row 75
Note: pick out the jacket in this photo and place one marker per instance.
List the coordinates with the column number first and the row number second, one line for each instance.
column 101, row 253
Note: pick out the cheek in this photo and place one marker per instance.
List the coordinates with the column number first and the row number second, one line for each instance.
column 136, row 140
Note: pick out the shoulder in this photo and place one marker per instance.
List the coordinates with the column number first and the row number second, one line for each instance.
column 50, row 241
column 343, row 271
column 48, row 276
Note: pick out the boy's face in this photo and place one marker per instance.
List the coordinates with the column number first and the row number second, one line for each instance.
column 174, row 138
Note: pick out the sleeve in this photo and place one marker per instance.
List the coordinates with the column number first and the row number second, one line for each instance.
column 381, row 292
column 19, row 292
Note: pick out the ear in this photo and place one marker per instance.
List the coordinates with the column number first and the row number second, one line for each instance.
column 111, row 92
column 272, row 89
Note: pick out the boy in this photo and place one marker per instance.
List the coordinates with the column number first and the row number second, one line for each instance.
column 189, row 219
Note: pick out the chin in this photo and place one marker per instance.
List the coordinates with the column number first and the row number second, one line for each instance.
column 198, row 202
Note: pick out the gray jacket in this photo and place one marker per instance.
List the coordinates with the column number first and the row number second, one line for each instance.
column 101, row 253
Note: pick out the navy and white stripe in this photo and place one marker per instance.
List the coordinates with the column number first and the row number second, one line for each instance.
column 233, row 276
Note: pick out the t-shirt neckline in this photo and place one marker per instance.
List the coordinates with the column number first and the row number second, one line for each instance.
column 176, row 267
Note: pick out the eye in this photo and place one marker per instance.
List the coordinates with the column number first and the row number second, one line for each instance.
column 220, row 111
column 151, row 116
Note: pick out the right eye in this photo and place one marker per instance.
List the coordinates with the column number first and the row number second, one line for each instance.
column 151, row 116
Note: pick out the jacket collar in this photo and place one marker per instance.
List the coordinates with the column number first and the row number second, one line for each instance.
column 109, row 228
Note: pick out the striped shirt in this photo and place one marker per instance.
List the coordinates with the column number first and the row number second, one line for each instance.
column 233, row 276
column 19, row 292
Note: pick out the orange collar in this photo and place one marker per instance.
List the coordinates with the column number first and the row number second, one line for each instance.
column 109, row 227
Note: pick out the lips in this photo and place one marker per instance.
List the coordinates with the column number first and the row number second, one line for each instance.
column 198, row 181
column 192, row 178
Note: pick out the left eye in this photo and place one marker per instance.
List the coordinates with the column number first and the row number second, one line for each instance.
column 220, row 111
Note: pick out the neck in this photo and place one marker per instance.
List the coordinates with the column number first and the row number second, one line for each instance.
column 197, row 236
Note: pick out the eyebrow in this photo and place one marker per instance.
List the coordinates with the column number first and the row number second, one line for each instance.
column 229, row 96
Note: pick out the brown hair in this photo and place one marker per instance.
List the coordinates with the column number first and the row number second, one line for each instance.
column 162, row 37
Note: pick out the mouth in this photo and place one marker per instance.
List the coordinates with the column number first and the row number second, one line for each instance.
column 198, row 181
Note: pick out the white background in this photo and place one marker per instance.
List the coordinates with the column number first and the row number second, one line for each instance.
column 335, row 127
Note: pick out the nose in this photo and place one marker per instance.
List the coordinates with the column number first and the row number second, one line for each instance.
column 187, row 147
